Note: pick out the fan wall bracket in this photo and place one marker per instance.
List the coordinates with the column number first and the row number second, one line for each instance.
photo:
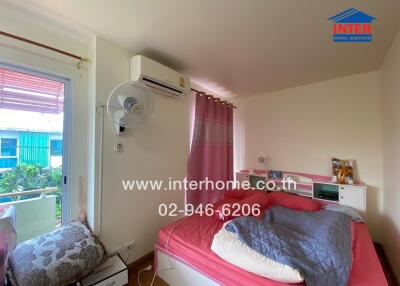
column 119, row 130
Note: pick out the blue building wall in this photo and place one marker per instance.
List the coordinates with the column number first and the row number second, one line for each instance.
column 32, row 148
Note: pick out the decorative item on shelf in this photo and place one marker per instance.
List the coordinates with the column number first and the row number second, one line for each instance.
column 343, row 170
column 263, row 160
column 298, row 178
column 276, row 174
column 291, row 178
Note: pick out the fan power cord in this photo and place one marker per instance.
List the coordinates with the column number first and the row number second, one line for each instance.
column 171, row 263
column 148, row 268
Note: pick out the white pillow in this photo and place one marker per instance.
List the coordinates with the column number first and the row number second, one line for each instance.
column 232, row 250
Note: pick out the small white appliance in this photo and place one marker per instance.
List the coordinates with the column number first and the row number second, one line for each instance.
column 158, row 76
column 129, row 105
column 113, row 272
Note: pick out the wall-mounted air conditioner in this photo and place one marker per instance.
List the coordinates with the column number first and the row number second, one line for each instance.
column 158, row 76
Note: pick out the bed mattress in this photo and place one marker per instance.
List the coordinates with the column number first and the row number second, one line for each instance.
column 189, row 240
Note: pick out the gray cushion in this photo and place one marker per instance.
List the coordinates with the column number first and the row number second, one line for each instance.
column 58, row 258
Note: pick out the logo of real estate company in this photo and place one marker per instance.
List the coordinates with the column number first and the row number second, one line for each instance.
column 352, row 25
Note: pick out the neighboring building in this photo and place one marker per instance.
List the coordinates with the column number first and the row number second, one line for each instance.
column 30, row 147
column 30, row 137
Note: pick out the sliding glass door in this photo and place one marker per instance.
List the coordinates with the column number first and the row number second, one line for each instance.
column 34, row 148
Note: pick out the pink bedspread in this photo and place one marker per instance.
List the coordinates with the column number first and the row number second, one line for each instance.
column 191, row 240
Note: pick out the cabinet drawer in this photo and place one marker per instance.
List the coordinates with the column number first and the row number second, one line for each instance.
column 118, row 279
column 113, row 272
column 353, row 196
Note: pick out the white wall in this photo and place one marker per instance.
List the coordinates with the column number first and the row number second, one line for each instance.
column 302, row 128
column 390, row 82
column 11, row 51
column 156, row 150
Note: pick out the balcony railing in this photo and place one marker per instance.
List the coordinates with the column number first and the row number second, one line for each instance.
column 35, row 216
column 28, row 193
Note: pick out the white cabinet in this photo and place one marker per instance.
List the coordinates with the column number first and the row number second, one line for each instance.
column 323, row 189
column 349, row 195
column 354, row 196
column 113, row 272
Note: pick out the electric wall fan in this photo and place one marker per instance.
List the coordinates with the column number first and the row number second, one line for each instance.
column 129, row 105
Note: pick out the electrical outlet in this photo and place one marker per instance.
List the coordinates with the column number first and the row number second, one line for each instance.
column 124, row 249
column 119, row 148
column 117, row 250
column 130, row 245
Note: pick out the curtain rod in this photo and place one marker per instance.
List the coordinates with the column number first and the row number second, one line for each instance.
column 18, row 38
column 217, row 98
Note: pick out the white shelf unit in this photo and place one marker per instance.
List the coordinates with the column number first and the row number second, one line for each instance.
column 350, row 195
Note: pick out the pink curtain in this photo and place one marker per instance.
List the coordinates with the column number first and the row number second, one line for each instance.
column 211, row 154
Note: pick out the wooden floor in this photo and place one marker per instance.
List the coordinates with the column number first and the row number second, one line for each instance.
column 147, row 276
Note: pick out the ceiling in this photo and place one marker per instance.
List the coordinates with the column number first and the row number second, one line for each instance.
column 236, row 47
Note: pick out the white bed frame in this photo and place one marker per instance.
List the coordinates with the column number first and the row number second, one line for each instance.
column 177, row 272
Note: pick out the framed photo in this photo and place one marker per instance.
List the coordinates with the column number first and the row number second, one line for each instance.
column 275, row 174
column 342, row 170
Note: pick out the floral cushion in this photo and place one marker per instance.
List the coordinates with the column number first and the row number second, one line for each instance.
column 58, row 258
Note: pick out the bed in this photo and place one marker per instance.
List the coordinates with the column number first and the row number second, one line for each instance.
column 183, row 257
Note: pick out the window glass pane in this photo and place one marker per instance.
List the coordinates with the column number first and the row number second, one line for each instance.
column 56, row 147
column 7, row 163
column 31, row 128
column 9, row 147
column 21, row 91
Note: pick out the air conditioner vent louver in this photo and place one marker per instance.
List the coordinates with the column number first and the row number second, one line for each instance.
column 153, row 84
column 158, row 76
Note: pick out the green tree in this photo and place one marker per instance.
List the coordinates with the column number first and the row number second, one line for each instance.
column 21, row 178
column 26, row 177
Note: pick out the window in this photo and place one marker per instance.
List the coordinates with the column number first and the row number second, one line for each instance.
column 34, row 117
column 56, row 147
column 8, row 153
column 8, row 147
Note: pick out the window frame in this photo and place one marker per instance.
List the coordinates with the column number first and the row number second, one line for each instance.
column 16, row 147
column 66, row 208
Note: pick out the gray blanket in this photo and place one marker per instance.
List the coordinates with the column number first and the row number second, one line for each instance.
column 318, row 244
